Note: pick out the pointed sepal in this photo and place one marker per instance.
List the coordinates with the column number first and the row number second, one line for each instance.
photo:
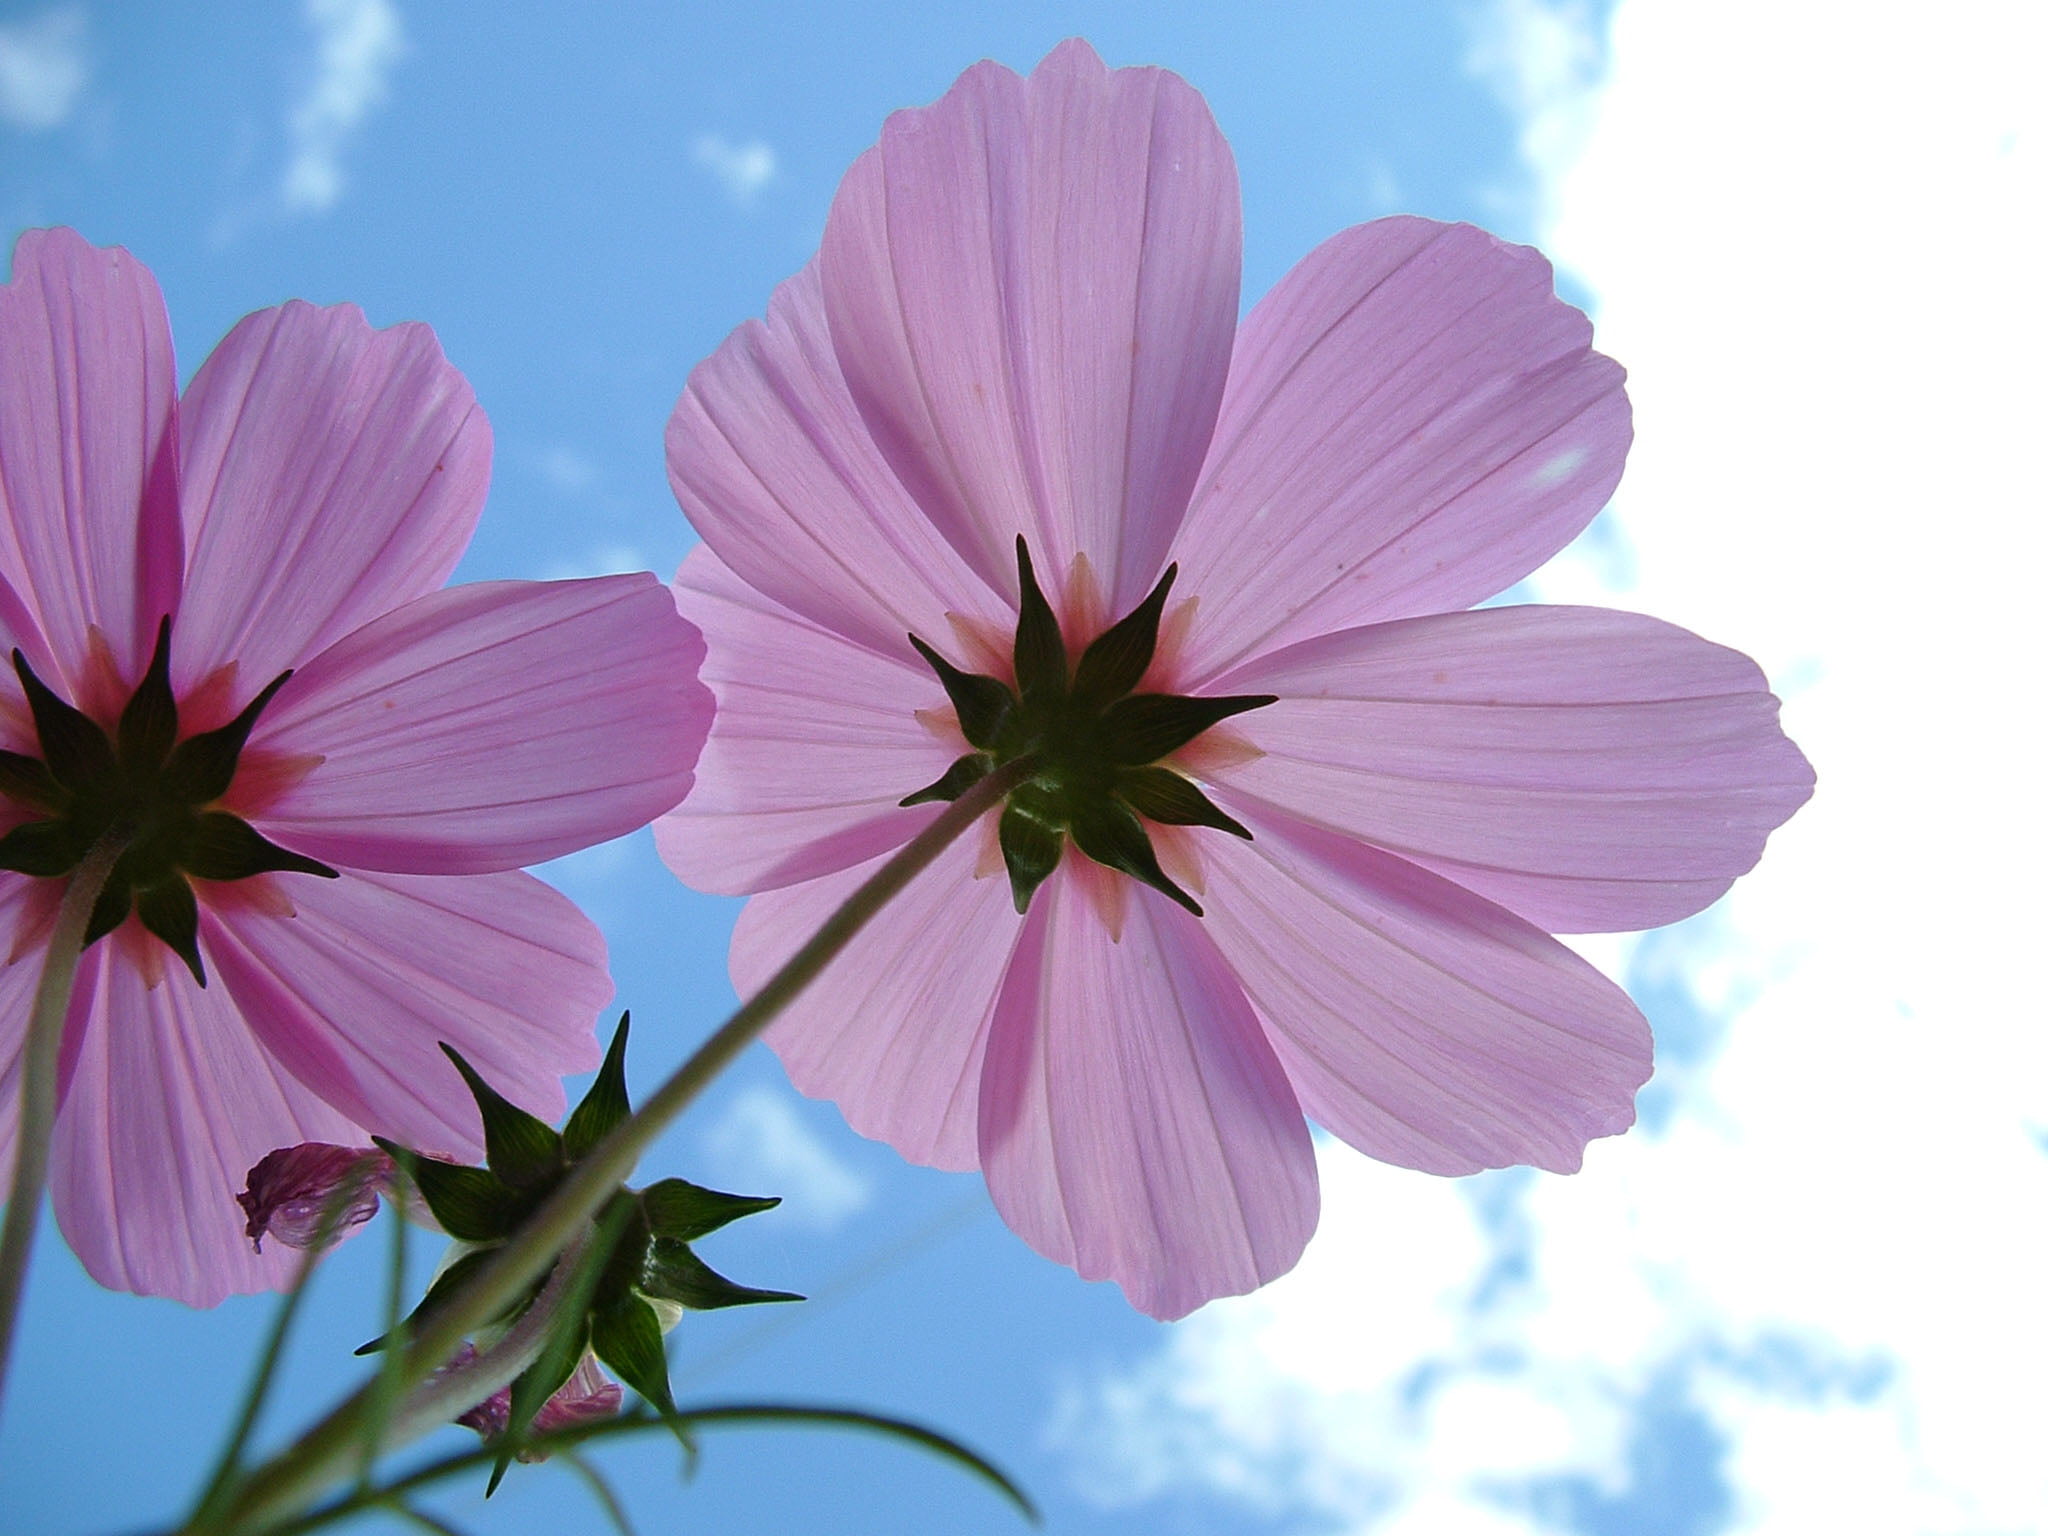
column 1031, row 847
column 673, row 1273
column 1146, row 726
column 520, row 1148
column 472, row 1204
column 1116, row 659
column 963, row 775
column 1160, row 794
column 171, row 912
column 202, row 767
column 25, row 781
column 149, row 723
column 983, row 703
column 44, row 849
column 626, row 1335
column 1111, row 834
column 225, row 847
column 1040, row 655
column 684, row 1212
column 536, row 1384
column 605, row 1106
column 75, row 750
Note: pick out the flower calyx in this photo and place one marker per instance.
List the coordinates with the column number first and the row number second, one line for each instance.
column 1098, row 744
column 635, row 1278
column 152, row 793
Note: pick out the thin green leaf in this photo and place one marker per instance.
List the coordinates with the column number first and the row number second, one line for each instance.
column 522, row 1149
column 678, row 1209
column 388, row 1388
column 420, row 1518
column 446, row 1284
column 540, row 1381
column 601, row 1491
column 605, row 1106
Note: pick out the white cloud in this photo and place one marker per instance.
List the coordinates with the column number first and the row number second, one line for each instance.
column 742, row 169
column 43, row 68
column 1813, row 235
column 760, row 1145
column 358, row 42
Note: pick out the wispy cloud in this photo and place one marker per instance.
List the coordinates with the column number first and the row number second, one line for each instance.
column 741, row 169
column 761, row 1146
column 43, row 68
column 357, row 42
column 1803, row 1295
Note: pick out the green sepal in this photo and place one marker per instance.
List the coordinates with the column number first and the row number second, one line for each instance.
column 149, row 723
column 225, row 847
column 25, row 781
column 1110, row 833
column 1031, row 851
column 1040, row 655
column 446, row 1284
column 537, row 1383
column 626, row 1335
column 75, row 750
column 202, row 767
column 1162, row 795
column 678, row 1209
column 116, row 901
column 44, row 849
column 171, row 912
column 949, row 786
column 1146, row 726
column 521, row 1149
column 472, row 1204
column 983, row 703
column 1116, row 659
column 671, row 1272
column 605, row 1106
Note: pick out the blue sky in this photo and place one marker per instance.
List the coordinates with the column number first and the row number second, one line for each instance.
column 1799, row 1296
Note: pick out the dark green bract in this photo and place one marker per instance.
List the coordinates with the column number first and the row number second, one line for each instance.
column 151, row 793
column 1097, row 744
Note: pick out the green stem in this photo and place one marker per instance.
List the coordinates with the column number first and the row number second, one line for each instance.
column 276, row 1491
column 39, row 1052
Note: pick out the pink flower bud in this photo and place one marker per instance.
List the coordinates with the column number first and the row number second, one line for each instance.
column 290, row 1188
column 586, row 1396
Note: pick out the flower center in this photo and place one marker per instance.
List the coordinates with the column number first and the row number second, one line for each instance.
column 150, row 793
column 1097, row 745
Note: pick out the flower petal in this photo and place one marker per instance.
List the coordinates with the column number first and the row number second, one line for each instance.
column 1589, row 770
column 169, row 1102
column 893, row 1031
column 774, row 467
column 1423, row 1025
column 354, row 990
column 88, row 455
column 1135, row 1123
column 813, row 744
column 19, row 974
column 1032, row 286
column 489, row 726
column 1414, row 422
column 332, row 472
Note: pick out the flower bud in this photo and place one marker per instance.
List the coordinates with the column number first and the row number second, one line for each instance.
column 290, row 1190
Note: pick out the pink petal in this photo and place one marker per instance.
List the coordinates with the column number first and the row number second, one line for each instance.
column 353, row 992
column 1589, row 770
column 813, row 743
column 489, row 726
column 1032, row 286
column 1135, row 1123
column 775, row 468
column 332, row 472
column 893, row 1030
column 169, row 1103
column 1414, row 422
column 19, row 975
column 88, row 454
column 1425, row 1026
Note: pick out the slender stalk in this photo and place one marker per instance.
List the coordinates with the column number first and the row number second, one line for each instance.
column 39, row 1051
column 284, row 1486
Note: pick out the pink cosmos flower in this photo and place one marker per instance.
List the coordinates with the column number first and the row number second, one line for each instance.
column 233, row 651
column 1023, row 324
